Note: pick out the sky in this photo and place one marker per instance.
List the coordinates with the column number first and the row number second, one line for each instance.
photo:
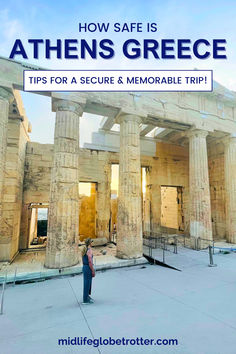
column 59, row 19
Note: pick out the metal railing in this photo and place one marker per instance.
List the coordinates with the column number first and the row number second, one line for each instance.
column 3, row 293
column 170, row 243
column 164, row 242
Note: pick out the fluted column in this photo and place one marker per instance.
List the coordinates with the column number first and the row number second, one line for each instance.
column 5, row 96
column 147, row 204
column 129, row 227
column 63, row 219
column 199, row 191
column 104, row 204
column 230, row 188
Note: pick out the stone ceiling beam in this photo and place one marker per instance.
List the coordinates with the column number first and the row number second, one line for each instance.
column 162, row 132
column 146, row 129
column 107, row 123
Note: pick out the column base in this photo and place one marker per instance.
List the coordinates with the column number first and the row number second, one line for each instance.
column 198, row 229
column 197, row 243
column 231, row 238
column 62, row 259
column 5, row 252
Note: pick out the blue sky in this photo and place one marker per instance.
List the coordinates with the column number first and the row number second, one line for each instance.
column 59, row 19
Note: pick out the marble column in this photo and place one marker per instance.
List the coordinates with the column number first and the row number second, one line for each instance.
column 147, row 203
column 63, row 217
column 199, row 191
column 129, row 227
column 230, row 188
column 104, row 204
column 5, row 96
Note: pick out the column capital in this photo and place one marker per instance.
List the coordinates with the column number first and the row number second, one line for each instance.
column 229, row 139
column 6, row 94
column 67, row 105
column 196, row 133
column 127, row 117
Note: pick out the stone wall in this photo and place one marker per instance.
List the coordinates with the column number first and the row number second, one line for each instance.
column 94, row 167
column 13, row 186
column 169, row 208
column 170, row 169
column 38, row 165
column 87, row 214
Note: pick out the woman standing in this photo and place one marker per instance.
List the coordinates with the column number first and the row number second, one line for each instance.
column 88, row 271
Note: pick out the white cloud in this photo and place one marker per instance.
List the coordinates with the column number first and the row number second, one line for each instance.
column 10, row 29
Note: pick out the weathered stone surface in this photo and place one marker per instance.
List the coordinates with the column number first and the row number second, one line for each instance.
column 129, row 228
column 174, row 112
column 147, row 203
column 87, row 213
column 199, row 191
column 214, row 110
column 169, row 207
column 230, row 188
column 4, row 108
column 217, row 189
column 170, row 167
column 104, row 204
column 17, row 137
column 100, row 241
column 63, row 218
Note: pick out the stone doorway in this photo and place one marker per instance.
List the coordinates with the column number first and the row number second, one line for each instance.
column 172, row 216
column 114, row 200
column 87, row 208
column 146, row 201
column 37, row 235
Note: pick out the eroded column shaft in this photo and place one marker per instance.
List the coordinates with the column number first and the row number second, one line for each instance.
column 147, row 204
column 63, row 219
column 199, row 191
column 104, row 204
column 4, row 109
column 129, row 230
column 230, row 188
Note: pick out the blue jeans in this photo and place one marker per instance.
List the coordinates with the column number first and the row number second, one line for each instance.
column 87, row 274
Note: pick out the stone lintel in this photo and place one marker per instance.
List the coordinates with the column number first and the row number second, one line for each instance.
column 6, row 94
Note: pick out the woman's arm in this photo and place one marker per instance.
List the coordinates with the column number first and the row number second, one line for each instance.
column 90, row 259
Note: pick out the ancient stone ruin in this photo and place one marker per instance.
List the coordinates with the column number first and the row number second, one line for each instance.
column 183, row 143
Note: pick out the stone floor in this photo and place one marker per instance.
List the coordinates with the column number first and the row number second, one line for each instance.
column 30, row 265
column 186, row 257
column 195, row 306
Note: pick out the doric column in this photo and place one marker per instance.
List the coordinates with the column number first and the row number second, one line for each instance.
column 63, row 218
column 147, row 203
column 199, row 191
column 5, row 96
column 230, row 188
column 104, row 204
column 129, row 228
